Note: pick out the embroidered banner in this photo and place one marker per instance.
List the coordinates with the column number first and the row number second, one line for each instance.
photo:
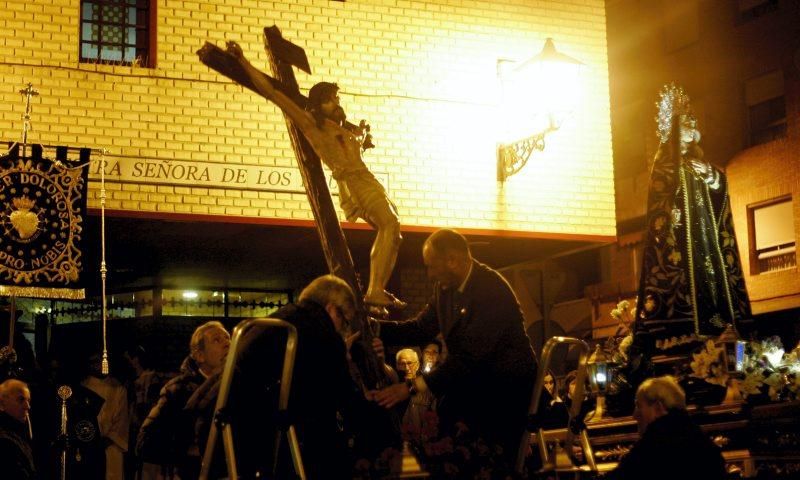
column 43, row 212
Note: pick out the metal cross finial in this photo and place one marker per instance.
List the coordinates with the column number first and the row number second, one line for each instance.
column 26, row 119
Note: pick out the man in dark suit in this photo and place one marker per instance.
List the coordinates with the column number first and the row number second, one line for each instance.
column 487, row 377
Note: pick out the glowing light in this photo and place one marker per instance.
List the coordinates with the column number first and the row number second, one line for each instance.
column 539, row 93
column 190, row 295
column 774, row 356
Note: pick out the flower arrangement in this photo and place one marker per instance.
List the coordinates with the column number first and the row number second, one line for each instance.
column 617, row 345
column 625, row 314
column 769, row 372
column 707, row 364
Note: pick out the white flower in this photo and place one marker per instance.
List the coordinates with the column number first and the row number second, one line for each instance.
column 624, row 345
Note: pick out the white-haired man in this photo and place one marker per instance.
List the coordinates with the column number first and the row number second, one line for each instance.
column 670, row 446
column 16, row 454
column 167, row 436
column 407, row 362
column 419, row 403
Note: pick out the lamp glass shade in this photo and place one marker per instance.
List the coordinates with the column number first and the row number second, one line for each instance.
column 539, row 93
column 597, row 366
column 733, row 350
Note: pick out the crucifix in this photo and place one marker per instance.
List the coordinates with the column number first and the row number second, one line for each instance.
column 319, row 132
column 28, row 92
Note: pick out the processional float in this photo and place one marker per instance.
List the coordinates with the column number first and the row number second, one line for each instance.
column 691, row 288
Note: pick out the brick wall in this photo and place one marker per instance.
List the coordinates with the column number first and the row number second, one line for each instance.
column 423, row 73
column 417, row 289
column 760, row 174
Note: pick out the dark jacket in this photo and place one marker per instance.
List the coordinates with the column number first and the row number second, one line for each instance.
column 86, row 455
column 322, row 392
column 167, row 433
column 487, row 378
column 672, row 447
column 16, row 455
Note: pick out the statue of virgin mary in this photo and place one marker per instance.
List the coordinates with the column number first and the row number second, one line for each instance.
column 691, row 284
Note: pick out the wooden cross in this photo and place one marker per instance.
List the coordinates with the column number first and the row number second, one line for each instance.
column 282, row 56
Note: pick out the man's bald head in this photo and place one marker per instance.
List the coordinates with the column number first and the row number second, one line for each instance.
column 15, row 399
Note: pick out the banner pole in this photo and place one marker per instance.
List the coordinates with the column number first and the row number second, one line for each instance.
column 104, row 364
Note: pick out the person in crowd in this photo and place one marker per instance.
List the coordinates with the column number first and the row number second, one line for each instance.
column 407, row 362
column 487, row 379
column 568, row 387
column 360, row 193
column 420, row 402
column 82, row 442
column 431, row 355
column 323, row 394
column 554, row 409
column 113, row 418
column 143, row 392
column 670, row 445
column 167, row 436
column 549, row 382
column 16, row 454
column 18, row 361
column 567, row 393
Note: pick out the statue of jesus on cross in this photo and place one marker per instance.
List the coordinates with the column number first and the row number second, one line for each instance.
column 361, row 195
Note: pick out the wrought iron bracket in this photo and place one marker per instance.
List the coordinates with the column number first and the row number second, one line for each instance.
column 512, row 157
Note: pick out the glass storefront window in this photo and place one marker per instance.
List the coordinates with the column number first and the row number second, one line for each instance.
column 173, row 302
column 255, row 304
column 192, row 303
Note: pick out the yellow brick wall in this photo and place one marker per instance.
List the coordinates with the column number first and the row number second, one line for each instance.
column 423, row 73
column 761, row 174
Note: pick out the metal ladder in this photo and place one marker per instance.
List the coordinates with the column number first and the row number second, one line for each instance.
column 220, row 418
column 561, row 460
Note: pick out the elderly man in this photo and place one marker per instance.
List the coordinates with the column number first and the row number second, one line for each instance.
column 167, row 436
column 421, row 402
column 16, row 455
column 407, row 362
column 487, row 377
column 671, row 446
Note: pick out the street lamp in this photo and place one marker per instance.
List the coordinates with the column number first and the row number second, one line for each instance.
column 537, row 96
column 599, row 367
